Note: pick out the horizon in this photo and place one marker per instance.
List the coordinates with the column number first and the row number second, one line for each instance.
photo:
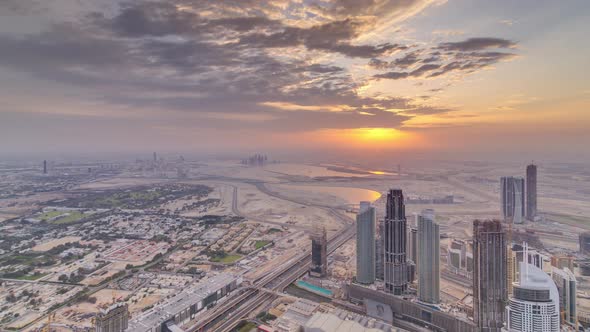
column 345, row 78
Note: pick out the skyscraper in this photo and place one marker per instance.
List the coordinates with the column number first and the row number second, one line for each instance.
column 428, row 258
column 531, row 192
column 379, row 250
column 394, row 241
column 534, row 306
column 365, row 244
column 566, row 283
column 512, row 198
column 490, row 290
column 44, row 166
column 319, row 253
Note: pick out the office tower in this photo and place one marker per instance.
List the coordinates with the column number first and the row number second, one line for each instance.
column 490, row 290
column 412, row 247
column 531, row 192
column 365, row 244
column 394, row 241
column 428, row 258
column 112, row 319
column 534, row 306
column 565, row 281
column 512, row 197
column 44, row 166
column 319, row 253
column 380, row 251
column 585, row 243
column 155, row 157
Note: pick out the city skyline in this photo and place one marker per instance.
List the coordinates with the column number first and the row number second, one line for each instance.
column 417, row 76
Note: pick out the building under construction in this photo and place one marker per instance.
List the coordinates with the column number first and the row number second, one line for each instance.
column 319, row 253
column 490, row 282
column 113, row 319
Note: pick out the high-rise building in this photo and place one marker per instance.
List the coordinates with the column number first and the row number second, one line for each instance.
column 512, row 198
column 112, row 319
column 534, row 305
column 394, row 240
column 566, row 283
column 379, row 251
column 155, row 157
column 585, row 243
column 319, row 253
column 490, row 289
column 365, row 244
column 412, row 247
column 44, row 166
column 428, row 258
column 531, row 192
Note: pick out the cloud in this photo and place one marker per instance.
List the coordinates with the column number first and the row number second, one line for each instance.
column 477, row 44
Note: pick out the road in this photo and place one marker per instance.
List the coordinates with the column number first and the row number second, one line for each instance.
column 230, row 313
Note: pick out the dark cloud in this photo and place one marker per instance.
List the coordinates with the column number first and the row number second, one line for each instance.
column 475, row 44
column 234, row 56
column 465, row 57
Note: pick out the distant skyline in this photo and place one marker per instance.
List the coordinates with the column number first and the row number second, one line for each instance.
column 457, row 78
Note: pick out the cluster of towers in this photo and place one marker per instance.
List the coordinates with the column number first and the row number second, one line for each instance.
column 516, row 202
column 391, row 249
column 255, row 160
column 393, row 252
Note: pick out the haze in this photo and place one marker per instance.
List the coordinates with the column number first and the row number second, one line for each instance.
column 495, row 80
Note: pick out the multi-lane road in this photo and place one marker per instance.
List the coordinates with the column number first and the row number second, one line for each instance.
column 229, row 313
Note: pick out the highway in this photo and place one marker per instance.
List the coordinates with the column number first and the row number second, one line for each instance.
column 230, row 313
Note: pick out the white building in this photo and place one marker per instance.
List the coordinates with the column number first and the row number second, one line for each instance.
column 534, row 305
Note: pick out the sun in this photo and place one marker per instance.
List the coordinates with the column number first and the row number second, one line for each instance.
column 377, row 135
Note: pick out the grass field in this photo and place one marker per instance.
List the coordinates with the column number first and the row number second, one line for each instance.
column 61, row 217
column 225, row 259
column 32, row 277
column 261, row 243
column 247, row 327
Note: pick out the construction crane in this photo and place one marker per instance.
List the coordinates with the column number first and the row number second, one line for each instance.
column 50, row 318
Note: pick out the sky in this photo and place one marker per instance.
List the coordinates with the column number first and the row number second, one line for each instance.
column 457, row 78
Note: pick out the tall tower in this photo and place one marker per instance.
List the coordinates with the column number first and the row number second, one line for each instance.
column 44, row 166
column 380, row 251
column 490, row 290
column 155, row 157
column 512, row 198
column 319, row 253
column 534, row 306
column 394, row 241
column 428, row 258
column 531, row 191
column 566, row 283
column 365, row 244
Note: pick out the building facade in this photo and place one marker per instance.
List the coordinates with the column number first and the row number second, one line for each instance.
column 319, row 254
column 113, row 319
column 534, row 305
column 428, row 258
column 531, row 192
column 566, row 284
column 490, row 289
column 365, row 244
column 395, row 268
column 512, row 199
column 585, row 243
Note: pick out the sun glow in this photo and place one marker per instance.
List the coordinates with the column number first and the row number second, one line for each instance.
column 369, row 138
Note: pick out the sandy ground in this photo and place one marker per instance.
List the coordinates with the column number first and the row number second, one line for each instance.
column 54, row 243
column 81, row 313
